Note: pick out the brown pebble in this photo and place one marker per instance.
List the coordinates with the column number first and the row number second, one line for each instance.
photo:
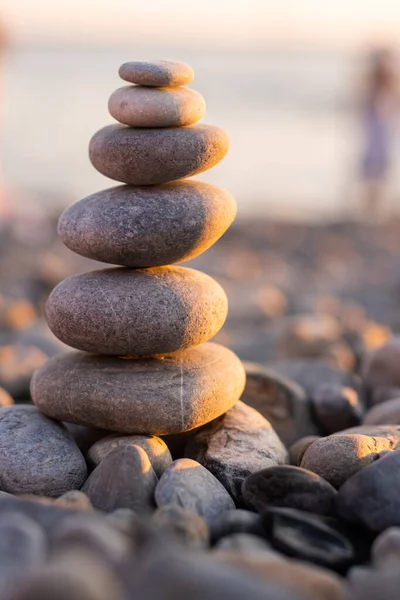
column 156, row 74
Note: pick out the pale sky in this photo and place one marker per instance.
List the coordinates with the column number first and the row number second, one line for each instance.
column 224, row 21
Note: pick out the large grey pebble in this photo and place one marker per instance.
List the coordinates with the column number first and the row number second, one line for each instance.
column 152, row 156
column 159, row 396
column 124, row 479
column 155, row 448
column 188, row 484
column 336, row 407
column 384, row 413
column 148, row 226
column 236, row 445
column 126, row 312
column 138, row 106
column 37, row 454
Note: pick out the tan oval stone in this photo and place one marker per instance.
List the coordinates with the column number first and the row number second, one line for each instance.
column 148, row 226
column 127, row 312
column 156, row 107
column 158, row 73
column 143, row 156
column 157, row 396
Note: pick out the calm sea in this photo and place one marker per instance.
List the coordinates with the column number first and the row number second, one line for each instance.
column 294, row 140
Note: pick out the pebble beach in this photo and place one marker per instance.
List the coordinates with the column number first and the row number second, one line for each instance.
column 228, row 427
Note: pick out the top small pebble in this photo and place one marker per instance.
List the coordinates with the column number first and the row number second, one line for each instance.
column 163, row 73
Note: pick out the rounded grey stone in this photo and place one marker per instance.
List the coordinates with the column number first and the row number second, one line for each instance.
column 339, row 456
column 384, row 413
column 158, row 396
column 37, row 455
column 157, row 73
column 138, row 106
column 188, row 484
column 241, row 442
column 124, row 479
column 152, row 156
column 148, row 226
column 155, row 448
column 126, row 312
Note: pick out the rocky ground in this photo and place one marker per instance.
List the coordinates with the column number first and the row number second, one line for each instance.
column 292, row 494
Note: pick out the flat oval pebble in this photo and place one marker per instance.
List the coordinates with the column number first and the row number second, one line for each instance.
column 158, row 73
column 38, row 455
column 152, row 156
column 307, row 537
column 138, row 106
column 241, row 442
column 188, row 484
column 155, row 448
column 124, row 479
column 127, row 312
column 156, row 396
column 289, row 487
column 148, row 226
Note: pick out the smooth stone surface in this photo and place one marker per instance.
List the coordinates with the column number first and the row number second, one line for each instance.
column 384, row 413
column 243, row 543
column 238, row 444
column 37, row 454
column 336, row 407
column 236, row 521
column 338, row 457
column 380, row 369
column 124, row 479
column 150, row 395
column 22, row 549
column 374, row 584
column 314, row 582
column 157, row 73
column 386, row 547
column 289, row 487
column 153, row 156
column 182, row 525
column 155, row 448
column 307, row 537
column 148, row 226
column 138, row 106
column 372, row 496
column 166, row 575
column 282, row 401
column 126, row 312
column 188, row 484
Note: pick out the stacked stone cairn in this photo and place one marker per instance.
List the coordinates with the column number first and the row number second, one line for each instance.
column 146, row 323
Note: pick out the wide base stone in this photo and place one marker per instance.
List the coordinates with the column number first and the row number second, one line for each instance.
column 161, row 395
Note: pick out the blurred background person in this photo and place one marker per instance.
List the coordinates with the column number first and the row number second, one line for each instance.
column 380, row 111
